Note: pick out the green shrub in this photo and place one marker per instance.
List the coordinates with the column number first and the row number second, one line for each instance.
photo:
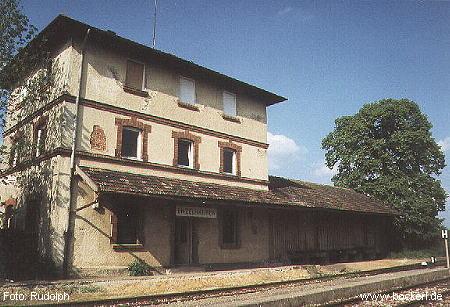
column 139, row 268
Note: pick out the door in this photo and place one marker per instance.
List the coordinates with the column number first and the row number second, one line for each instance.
column 185, row 241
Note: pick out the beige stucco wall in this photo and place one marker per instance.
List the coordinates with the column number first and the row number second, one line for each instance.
column 161, row 149
column 253, row 234
column 45, row 185
column 56, row 129
column 105, row 76
column 61, row 72
column 92, row 247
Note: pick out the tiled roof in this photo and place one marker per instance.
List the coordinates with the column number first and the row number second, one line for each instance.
column 326, row 196
column 282, row 192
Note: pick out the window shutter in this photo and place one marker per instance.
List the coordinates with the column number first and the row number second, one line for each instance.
column 187, row 90
column 229, row 104
column 135, row 75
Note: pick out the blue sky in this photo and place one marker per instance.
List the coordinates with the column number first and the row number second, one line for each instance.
column 327, row 57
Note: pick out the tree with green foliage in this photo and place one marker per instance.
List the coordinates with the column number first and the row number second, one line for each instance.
column 15, row 32
column 26, row 68
column 387, row 151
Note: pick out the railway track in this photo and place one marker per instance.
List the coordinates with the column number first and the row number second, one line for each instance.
column 179, row 299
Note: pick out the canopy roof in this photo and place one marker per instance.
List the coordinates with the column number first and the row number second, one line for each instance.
column 282, row 192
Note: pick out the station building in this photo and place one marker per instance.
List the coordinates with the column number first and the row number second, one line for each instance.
column 169, row 167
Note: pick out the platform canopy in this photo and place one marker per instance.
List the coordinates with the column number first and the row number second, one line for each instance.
column 282, row 192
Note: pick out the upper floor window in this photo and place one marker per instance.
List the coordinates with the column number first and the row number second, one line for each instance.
column 229, row 104
column 17, row 145
column 185, row 153
column 135, row 75
column 229, row 161
column 14, row 155
column 131, row 143
column 132, row 139
column 40, row 136
column 186, row 149
column 187, row 90
column 230, row 158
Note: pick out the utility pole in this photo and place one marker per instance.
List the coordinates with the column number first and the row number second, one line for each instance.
column 154, row 25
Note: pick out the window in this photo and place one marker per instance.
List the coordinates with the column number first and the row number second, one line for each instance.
column 186, row 149
column 230, row 229
column 230, row 158
column 229, row 104
column 187, row 90
column 14, row 155
column 131, row 143
column 135, row 75
column 40, row 136
column 229, row 161
column 128, row 225
column 132, row 139
column 185, row 153
column 17, row 145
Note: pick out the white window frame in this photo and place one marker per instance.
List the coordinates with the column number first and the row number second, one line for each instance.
column 144, row 83
column 139, row 144
column 233, row 162
column 38, row 139
column 179, row 90
column 190, row 153
column 234, row 108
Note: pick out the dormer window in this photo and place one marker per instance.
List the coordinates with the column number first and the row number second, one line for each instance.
column 229, row 161
column 229, row 104
column 187, row 90
column 135, row 75
column 131, row 143
column 185, row 153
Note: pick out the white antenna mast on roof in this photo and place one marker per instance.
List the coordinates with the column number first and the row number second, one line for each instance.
column 154, row 25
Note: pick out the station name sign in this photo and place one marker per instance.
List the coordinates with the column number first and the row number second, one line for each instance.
column 208, row 213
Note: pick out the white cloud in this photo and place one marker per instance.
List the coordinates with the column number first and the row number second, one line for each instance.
column 445, row 144
column 322, row 173
column 283, row 150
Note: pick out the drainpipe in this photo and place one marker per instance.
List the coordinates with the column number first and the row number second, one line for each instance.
column 72, row 200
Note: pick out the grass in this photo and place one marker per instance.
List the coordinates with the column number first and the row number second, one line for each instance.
column 417, row 254
column 89, row 289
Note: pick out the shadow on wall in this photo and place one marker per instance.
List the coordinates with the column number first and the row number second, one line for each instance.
column 94, row 225
column 38, row 222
